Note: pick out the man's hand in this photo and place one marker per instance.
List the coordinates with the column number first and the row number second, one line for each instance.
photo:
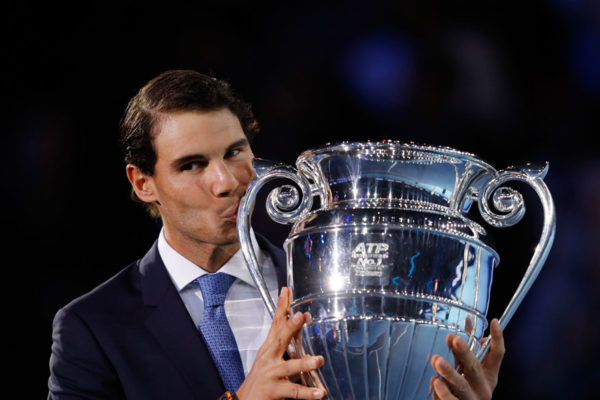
column 268, row 378
column 478, row 379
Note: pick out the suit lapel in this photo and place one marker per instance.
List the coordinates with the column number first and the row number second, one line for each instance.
column 278, row 257
column 169, row 322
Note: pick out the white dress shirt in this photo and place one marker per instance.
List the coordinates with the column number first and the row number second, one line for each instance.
column 246, row 312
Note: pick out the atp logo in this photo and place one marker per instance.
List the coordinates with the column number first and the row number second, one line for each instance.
column 369, row 258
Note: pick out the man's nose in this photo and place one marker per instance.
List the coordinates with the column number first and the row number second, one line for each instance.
column 223, row 182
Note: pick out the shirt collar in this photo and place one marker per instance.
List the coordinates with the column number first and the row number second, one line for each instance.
column 183, row 271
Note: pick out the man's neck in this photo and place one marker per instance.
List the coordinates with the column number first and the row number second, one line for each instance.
column 208, row 256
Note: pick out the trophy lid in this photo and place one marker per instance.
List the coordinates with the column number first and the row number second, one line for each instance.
column 394, row 170
column 392, row 149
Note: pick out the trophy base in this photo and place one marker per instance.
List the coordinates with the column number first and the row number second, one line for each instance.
column 378, row 358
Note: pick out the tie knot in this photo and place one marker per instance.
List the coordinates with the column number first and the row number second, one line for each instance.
column 214, row 288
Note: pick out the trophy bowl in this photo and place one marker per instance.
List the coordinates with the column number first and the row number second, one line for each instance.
column 388, row 263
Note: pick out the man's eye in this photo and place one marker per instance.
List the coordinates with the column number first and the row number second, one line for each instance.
column 233, row 153
column 194, row 165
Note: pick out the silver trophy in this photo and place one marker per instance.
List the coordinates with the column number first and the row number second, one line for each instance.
column 386, row 261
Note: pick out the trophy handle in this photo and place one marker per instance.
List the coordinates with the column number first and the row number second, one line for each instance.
column 510, row 202
column 283, row 206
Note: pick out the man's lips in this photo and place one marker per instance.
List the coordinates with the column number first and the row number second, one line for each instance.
column 231, row 213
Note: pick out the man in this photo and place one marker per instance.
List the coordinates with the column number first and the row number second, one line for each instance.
column 185, row 321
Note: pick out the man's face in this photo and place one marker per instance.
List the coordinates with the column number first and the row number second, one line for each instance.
column 203, row 168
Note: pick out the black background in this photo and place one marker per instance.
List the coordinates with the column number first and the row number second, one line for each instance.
column 512, row 82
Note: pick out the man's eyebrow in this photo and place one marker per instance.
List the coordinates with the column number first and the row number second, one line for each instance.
column 201, row 157
column 239, row 143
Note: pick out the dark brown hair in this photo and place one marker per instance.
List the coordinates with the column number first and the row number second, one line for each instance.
column 170, row 92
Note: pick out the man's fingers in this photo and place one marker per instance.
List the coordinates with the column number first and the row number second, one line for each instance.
column 304, row 364
column 469, row 325
column 493, row 359
column 296, row 346
column 282, row 304
column 470, row 367
column 432, row 392
column 283, row 328
column 289, row 294
column 477, row 380
column 312, row 379
column 452, row 378
column 440, row 390
column 284, row 332
column 289, row 390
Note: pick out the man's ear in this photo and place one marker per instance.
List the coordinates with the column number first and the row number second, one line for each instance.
column 142, row 184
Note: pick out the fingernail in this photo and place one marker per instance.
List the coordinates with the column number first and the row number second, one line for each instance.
column 458, row 344
column 443, row 364
column 431, row 386
column 318, row 393
column 281, row 292
column 297, row 317
column 308, row 317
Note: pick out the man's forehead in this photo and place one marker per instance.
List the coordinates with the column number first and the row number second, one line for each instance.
column 195, row 132
column 181, row 122
column 215, row 151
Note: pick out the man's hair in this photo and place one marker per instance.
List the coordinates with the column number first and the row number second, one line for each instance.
column 171, row 92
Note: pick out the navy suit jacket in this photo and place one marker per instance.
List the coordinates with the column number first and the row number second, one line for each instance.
column 132, row 338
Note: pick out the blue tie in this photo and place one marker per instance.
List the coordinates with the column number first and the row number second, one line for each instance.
column 216, row 330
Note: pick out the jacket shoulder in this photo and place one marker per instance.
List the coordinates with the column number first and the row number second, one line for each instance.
column 113, row 294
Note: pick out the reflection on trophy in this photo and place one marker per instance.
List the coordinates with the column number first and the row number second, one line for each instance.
column 386, row 261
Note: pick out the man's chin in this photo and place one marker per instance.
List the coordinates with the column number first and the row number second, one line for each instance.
column 228, row 237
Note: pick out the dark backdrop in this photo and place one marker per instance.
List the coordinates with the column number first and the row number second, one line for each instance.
column 512, row 82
